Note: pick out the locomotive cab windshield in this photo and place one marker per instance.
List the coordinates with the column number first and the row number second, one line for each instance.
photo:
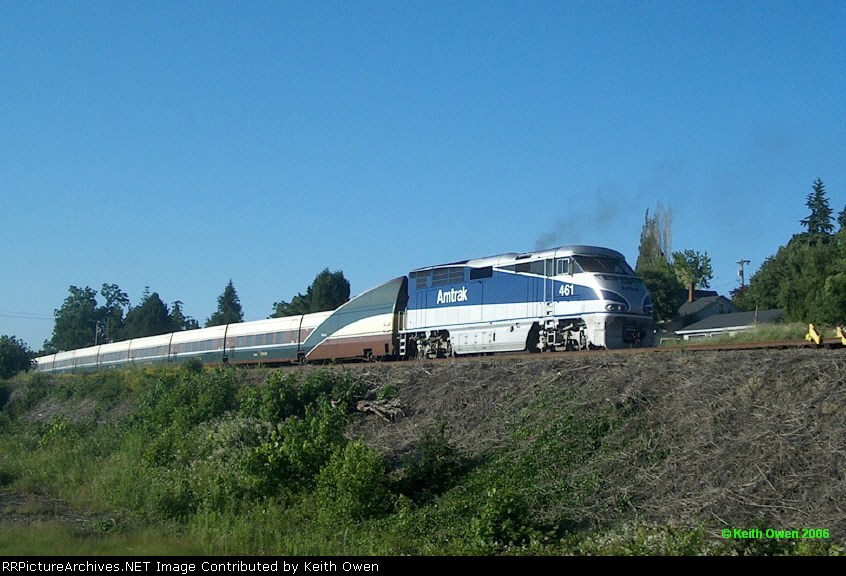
column 605, row 265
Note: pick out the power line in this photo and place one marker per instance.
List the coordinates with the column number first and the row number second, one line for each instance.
column 24, row 316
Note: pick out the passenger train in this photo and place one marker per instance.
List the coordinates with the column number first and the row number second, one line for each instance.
column 567, row 298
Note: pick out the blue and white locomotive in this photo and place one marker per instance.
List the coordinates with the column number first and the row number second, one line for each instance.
column 568, row 298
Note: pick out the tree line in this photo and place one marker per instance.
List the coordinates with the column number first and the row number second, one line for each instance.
column 807, row 276
column 88, row 317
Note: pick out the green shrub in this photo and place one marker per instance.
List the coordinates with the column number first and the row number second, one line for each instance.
column 296, row 450
column 184, row 399
column 218, row 470
column 352, row 486
column 503, row 522
column 387, row 392
column 432, row 468
column 286, row 394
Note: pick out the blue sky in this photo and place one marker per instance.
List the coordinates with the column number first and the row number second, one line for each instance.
column 178, row 145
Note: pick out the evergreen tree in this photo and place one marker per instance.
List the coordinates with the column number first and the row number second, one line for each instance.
column 819, row 220
column 15, row 356
column 150, row 318
column 178, row 320
column 228, row 308
column 841, row 219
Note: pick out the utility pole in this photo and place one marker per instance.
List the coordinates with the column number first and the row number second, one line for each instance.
column 740, row 272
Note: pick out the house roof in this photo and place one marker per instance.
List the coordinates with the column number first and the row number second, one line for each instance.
column 700, row 304
column 733, row 320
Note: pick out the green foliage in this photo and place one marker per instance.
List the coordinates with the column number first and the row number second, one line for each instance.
column 296, row 449
column 150, row 318
column 228, row 308
column 351, row 487
column 819, row 220
column 387, row 392
column 434, row 467
column 5, row 393
column 282, row 478
column 664, row 288
column 692, row 268
column 15, row 357
column 806, row 278
column 328, row 291
column 503, row 522
column 219, row 464
column 32, row 390
column 655, row 237
column 288, row 394
column 76, row 320
column 192, row 365
column 179, row 321
column 110, row 316
column 80, row 322
column 653, row 265
column 642, row 539
column 182, row 399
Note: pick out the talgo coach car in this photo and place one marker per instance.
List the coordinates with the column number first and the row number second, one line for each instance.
column 568, row 298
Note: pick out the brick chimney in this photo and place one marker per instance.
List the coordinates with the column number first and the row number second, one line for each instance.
column 690, row 293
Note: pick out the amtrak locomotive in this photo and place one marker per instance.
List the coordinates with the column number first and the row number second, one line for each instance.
column 568, row 298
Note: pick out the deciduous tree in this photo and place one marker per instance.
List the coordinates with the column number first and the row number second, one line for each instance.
column 693, row 269
column 15, row 356
column 328, row 291
column 76, row 321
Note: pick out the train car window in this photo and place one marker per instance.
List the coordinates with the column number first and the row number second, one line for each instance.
column 479, row 273
column 550, row 267
column 562, row 266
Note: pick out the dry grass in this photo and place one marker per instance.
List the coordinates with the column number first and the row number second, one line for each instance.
column 728, row 439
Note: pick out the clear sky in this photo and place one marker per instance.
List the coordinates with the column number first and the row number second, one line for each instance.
column 178, row 145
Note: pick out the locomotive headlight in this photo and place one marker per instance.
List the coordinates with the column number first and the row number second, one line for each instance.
column 616, row 307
